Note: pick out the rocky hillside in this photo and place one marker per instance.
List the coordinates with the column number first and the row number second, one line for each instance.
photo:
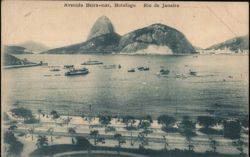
column 104, row 39
column 156, row 34
column 11, row 60
column 16, row 50
column 106, row 43
column 102, row 26
column 235, row 44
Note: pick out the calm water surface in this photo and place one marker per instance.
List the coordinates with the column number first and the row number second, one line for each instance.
column 221, row 80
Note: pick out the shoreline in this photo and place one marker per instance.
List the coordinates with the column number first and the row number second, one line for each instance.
column 146, row 54
column 22, row 66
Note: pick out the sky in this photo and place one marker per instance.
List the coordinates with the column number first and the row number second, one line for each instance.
column 52, row 24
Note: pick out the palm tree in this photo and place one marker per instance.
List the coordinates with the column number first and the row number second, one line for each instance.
column 41, row 141
column 25, row 131
column 190, row 145
column 144, row 141
column 31, row 131
column 72, row 131
column 50, row 132
column 94, row 134
column 165, row 143
column 55, row 115
column 104, row 120
column 213, row 144
column 39, row 113
column 120, row 141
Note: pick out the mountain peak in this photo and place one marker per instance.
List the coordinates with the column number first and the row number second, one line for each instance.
column 103, row 17
column 156, row 35
column 103, row 25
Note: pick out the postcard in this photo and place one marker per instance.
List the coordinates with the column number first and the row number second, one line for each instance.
column 124, row 79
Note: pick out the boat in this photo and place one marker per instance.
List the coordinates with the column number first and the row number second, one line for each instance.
column 178, row 75
column 44, row 64
column 109, row 66
column 54, row 69
column 72, row 72
column 192, row 72
column 90, row 62
column 140, row 68
column 164, row 72
column 143, row 68
column 68, row 66
column 131, row 70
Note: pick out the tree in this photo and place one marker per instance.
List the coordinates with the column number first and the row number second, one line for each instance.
column 149, row 119
column 50, row 132
column 15, row 147
column 120, row 141
column 41, row 141
column 82, row 142
column 146, row 131
column 67, row 120
column 110, row 129
column 232, row 129
column 94, row 134
column 72, row 131
column 55, row 115
column 187, row 127
column 31, row 131
column 190, row 145
column 144, row 124
column 129, row 121
column 104, row 120
column 206, row 121
column 165, row 143
column 143, row 140
column 166, row 121
column 22, row 113
column 89, row 119
column 213, row 144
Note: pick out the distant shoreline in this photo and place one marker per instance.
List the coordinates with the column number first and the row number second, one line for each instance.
column 142, row 54
column 21, row 66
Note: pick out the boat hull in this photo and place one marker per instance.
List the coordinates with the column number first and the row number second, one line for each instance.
column 73, row 73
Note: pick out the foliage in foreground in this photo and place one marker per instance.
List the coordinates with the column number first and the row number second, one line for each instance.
column 15, row 147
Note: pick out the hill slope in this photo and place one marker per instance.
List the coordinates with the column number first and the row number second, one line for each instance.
column 34, row 46
column 235, row 44
column 157, row 35
column 106, row 43
column 156, row 38
column 16, row 50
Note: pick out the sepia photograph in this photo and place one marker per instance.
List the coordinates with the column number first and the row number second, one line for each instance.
column 124, row 79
